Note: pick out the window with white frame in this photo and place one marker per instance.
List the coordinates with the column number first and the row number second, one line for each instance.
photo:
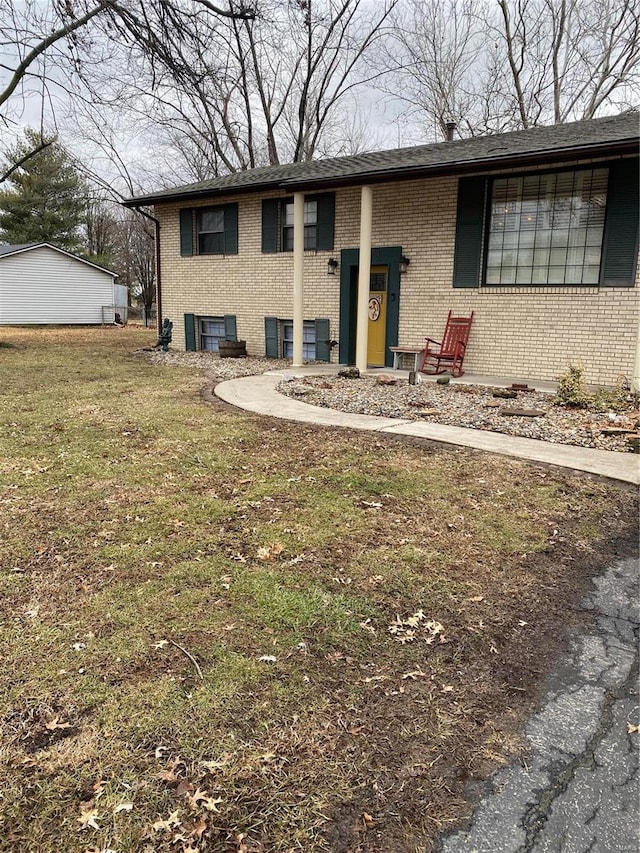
column 547, row 228
column 308, row 340
column 211, row 333
column 310, row 225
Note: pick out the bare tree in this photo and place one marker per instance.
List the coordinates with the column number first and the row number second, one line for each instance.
column 47, row 45
column 512, row 64
column 238, row 93
column 568, row 58
column 434, row 58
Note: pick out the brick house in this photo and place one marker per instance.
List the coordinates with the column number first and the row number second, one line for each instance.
column 535, row 231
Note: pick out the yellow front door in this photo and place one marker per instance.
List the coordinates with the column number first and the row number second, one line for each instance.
column 377, row 316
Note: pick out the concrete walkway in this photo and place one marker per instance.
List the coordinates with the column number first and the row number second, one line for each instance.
column 258, row 394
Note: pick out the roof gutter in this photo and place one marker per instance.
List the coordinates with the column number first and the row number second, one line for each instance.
column 493, row 164
column 376, row 176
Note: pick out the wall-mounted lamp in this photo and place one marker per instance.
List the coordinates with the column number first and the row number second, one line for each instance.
column 404, row 264
column 332, row 266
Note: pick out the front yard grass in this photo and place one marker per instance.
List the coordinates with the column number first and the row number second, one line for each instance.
column 222, row 632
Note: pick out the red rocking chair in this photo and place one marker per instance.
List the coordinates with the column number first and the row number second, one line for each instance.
column 447, row 355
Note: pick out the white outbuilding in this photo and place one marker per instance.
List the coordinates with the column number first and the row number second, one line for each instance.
column 41, row 284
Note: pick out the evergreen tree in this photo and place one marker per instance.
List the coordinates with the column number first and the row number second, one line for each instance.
column 45, row 201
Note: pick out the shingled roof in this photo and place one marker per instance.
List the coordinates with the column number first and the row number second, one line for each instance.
column 612, row 135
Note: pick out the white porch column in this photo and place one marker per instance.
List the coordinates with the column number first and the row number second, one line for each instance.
column 364, row 275
column 298, row 277
column 635, row 379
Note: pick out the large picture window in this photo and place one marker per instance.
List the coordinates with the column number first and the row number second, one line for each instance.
column 547, row 228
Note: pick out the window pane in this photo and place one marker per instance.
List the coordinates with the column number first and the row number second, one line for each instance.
column 523, row 275
column 210, row 244
column 211, row 220
column 310, row 237
column 287, row 239
column 556, row 275
column 288, row 214
column 310, row 212
column 525, row 258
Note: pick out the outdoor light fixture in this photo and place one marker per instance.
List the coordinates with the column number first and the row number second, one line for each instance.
column 332, row 266
column 404, row 263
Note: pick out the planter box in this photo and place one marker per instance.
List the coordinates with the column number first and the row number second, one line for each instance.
column 232, row 349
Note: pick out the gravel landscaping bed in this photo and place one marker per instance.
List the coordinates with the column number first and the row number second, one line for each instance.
column 469, row 406
column 221, row 368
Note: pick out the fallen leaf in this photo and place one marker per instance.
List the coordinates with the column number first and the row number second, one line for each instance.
column 198, row 828
column 54, row 724
column 267, row 658
column 168, row 824
column 88, row 816
column 123, row 807
column 417, row 673
column 269, row 552
column 631, row 729
column 185, row 787
column 202, row 797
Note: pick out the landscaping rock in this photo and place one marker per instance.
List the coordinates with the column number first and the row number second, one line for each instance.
column 384, row 379
column 505, row 394
column 523, row 413
column 349, row 373
column 443, row 380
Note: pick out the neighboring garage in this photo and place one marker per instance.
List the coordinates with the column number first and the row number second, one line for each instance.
column 41, row 284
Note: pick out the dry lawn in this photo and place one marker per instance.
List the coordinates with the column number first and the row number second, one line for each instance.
column 220, row 632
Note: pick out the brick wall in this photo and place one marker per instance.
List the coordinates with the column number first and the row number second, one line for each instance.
column 519, row 332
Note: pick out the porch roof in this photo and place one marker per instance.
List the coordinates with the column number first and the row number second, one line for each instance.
column 608, row 136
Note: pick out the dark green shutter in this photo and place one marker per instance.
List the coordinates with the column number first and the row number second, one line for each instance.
column 186, row 231
column 230, row 330
column 231, row 229
column 620, row 244
column 469, row 232
column 190, row 332
column 270, row 240
column 326, row 220
column 323, row 350
column 271, row 337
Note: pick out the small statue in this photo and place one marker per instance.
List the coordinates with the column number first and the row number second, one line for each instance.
column 164, row 338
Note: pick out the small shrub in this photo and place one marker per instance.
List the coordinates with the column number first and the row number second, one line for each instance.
column 620, row 398
column 572, row 391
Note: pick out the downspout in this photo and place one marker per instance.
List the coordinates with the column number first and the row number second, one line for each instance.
column 635, row 379
column 156, row 222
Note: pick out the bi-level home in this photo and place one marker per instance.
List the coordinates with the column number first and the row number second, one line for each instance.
column 535, row 231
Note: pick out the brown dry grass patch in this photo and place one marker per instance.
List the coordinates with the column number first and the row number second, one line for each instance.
column 197, row 604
